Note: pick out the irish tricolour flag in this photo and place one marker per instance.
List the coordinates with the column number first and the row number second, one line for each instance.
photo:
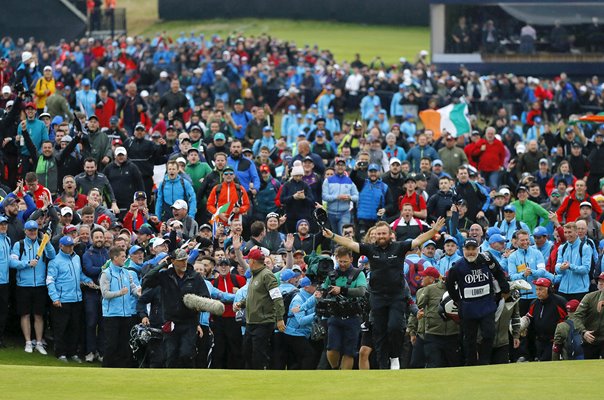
column 452, row 118
column 222, row 209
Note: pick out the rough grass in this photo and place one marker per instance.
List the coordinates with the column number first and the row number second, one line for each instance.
column 343, row 39
column 560, row 380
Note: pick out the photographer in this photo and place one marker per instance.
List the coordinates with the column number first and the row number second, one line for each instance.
column 344, row 324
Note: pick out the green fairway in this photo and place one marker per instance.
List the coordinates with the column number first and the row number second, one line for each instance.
column 343, row 39
column 579, row 379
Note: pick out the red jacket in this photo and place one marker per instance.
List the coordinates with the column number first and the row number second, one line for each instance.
column 39, row 195
column 550, row 265
column 106, row 112
column 225, row 284
column 492, row 158
column 469, row 149
column 569, row 209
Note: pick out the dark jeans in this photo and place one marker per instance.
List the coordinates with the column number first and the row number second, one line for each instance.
column 470, row 327
column 302, row 355
column 418, row 358
column 205, row 349
column 278, row 351
column 500, row 355
column 388, row 327
column 66, row 325
column 573, row 296
column 544, row 349
column 257, row 343
column 227, row 343
column 94, row 322
column 3, row 308
column 179, row 346
column 117, row 348
column 441, row 351
column 593, row 351
column 527, row 343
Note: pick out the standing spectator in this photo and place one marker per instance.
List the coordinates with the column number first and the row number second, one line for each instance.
column 369, row 104
column 125, row 178
column 589, row 321
column 86, row 98
column 91, row 179
column 174, row 187
column 570, row 209
column 130, row 107
column 63, row 281
column 31, row 292
column 37, row 132
column 45, row 87
column 297, row 199
column 96, row 144
column 174, row 103
column 228, row 194
column 105, row 107
column 5, row 259
column 423, row 149
column 116, row 283
column 573, row 264
column 374, row 198
column 241, row 118
column 471, row 193
column 338, row 191
column 490, row 154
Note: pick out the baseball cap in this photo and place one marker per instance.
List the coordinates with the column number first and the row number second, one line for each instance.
column 140, row 195
column 572, row 305
column 543, row 161
column 139, row 126
column 492, row 231
column 451, row 239
column 521, row 188
column 66, row 241
column 93, row 116
column 540, row 231
column 543, row 282
column 120, row 151
column 181, row 160
column 437, row 162
column 395, row 160
column 505, row 191
column 3, row 219
column 510, row 208
column 117, row 142
column 69, row 228
column 145, row 230
column 555, row 192
column 228, row 168
column 66, row 210
column 255, row 254
column 66, row 139
column 585, row 204
column 428, row 243
column 288, row 274
column 219, row 136
column 6, row 89
column 30, row 225
column 496, row 238
column 180, row 205
column 85, row 82
column 339, row 160
column 470, row 243
column 30, row 105
column 308, row 158
column 264, row 168
column 114, row 120
column 184, row 136
column 205, row 226
column 373, row 167
column 601, row 277
column 304, row 282
column 430, row 271
column 179, row 254
column 44, row 115
column 159, row 241
column 267, row 129
column 134, row 249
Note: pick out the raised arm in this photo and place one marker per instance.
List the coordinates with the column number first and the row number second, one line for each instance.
column 344, row 241
column 424, row 237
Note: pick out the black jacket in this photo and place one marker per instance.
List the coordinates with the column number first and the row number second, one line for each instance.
column 145, row 154
column 125, row 179
column 172, row 293
column 545, row 315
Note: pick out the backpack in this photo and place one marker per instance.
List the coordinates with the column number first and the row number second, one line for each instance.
column 287, row 301
column 351, row 276
column 237, row 190
column 412, row 276
column 518, row 225
column 572, row 345
column 22, row 250
column 419, row 224
column 184, row 188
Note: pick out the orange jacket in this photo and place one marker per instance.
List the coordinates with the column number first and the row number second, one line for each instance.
column 228, row 194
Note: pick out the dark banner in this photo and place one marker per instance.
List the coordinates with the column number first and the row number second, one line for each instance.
column 45, row 20
column 390, row 12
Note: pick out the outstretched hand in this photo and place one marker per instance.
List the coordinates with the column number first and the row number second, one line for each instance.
column 327, row 233
column 438, row 225
column 236, row 242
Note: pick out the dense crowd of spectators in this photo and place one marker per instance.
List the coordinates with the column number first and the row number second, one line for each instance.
column 144, row 162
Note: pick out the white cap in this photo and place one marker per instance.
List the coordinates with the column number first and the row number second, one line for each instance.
column 48, row 68
column 163, row 74
column 394, row 160
column 25, row 56
column 66, row 210
column 180, row 205
column 297, row 171
column 158, row 242
column 175, row 222
column 423, row 53
column 10, row 103
column 198, row 71
column 144, row 94
column 120, row 150
column 6, row 89
column 181, row 160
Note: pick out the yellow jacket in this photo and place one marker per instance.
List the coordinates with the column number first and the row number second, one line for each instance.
column 42, row 85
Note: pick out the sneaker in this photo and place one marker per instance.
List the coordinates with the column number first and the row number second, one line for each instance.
column 521, row 359
column 99, row 357
column 394, row 363
column 76, row 359
column 40, row 349
column 63, row 359
column 29, row 347
column 89, row 357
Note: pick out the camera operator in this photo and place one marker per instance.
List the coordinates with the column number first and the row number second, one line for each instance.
column 472, row 284
column 389, row 296
column 344, row 323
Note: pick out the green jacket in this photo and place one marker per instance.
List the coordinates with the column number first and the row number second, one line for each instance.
column 428, row 299
column 416, row 327
column 587, row 317
column 561, row 336
column 197, row 172
column 452, row 159
column 357, row 287
column 530, row 212
column 264, row 303
column 502, row 326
